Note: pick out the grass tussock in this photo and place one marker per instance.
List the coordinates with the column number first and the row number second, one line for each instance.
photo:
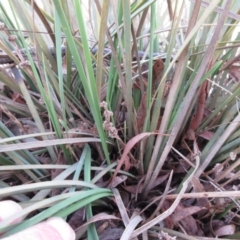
column 122, row 116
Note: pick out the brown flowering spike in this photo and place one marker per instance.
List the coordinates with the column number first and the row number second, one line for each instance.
column 142, row 109
column 201, row 102
column 158, row 68
column 157, row 72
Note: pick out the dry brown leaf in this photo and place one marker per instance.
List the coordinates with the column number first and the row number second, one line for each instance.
column 111, row 234
column 168, row 222
column 225, row 230
column 206, row 135
column 183, row 215
column 183, row 165
column 16, row 97
column 191, row 227
column 234, row 71
column 138, row 189
column 188, row 222
column 77, row 219
column 118, row 180
column 202, row 202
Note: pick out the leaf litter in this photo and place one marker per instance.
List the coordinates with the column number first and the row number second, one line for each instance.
column 127, row 214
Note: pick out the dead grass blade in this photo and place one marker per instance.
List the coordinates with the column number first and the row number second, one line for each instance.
column 128, row 147
column 98, row 217
column 225, row 194
column 130, row 227
column 45, row 143
column 121, row 207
